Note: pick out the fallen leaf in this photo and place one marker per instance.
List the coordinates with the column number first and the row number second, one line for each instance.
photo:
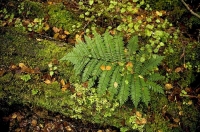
column 129, row 64
column 138, row 114
column 56, row 30
column 2, row 71
column 189, row 102
column 25, row 69
column 21, row 65
column 105, row 68
column 55, row 36
column 143, row 121
column 47, row 81
column 85, row 84
column 62, row 36
column 14, row 115
column 46, row 27
column 179, row 69
column 63, row 89
column 115, row 84
column 168, row 86
column 34, row 122
column 140, row 76
column 62, row 82
column 66, row 32
column 177, row 120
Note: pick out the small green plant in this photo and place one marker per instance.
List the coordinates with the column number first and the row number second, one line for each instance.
column 26, row 77
column 120, row 72
column 52, row 69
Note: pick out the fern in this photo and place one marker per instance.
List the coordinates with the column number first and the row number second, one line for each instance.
column 117, row 69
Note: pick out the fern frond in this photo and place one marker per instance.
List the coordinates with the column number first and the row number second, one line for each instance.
column 115, row 82
column 145, row 95
column 133, row 45
column 135, row 90
column 150, row 64
column 121, row 74
column 119, row 48
column 155, row 77
column 110, row 46
column 88, row 70
column 100, row 45
column 79, row 68
column 155, row 87
column 124, row 89
column 104, row 80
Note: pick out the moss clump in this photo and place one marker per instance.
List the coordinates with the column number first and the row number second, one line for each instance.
column 61, row 18
column 31, row 9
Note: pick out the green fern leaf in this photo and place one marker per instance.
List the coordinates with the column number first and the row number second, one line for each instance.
column 119, row 48
column 104, row 80
column 124, row 89
column 100, row 45
column 110, row 46
column 135, row 90
column 133, row 45
column 121, row 74
column 114, row 83
column 155, row 87
column 145, row 95
column 79, row 68
column 88, row 70
column 155, row 77
column 150, row 64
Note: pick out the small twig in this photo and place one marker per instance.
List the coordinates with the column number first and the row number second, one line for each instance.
column 191, row 11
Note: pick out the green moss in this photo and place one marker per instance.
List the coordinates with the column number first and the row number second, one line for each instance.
column 61, row 18
column 31, row 9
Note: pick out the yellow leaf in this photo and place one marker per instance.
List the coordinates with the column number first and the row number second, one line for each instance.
column 105, row 68
column 138, row 114
column 168, row 86
column 21, row 65
column 55, row 36
column 56, row 30
column 62, row 36
column 66, row 32
column 115, row 84
column 64, row 89
column 129, row 65
column 189, row 102
column 46, row 27
column 78, row 37
column 47, row 81
column 140, row 76
column 62, row 82
column 108, row 68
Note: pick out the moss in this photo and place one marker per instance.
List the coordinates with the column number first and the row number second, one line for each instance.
column 31, row 9
column 61, row 18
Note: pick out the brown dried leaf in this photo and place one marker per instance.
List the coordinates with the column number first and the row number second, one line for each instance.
column 14, row 115
column 138, row 114
column 177, row 120
column 56, row 30
column 179, row 69
column 2, row 71
column 34, row 122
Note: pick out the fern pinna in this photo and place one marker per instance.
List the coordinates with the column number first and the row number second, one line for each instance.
column 119, row 70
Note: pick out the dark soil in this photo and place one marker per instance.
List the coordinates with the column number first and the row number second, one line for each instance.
column 18, row 118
